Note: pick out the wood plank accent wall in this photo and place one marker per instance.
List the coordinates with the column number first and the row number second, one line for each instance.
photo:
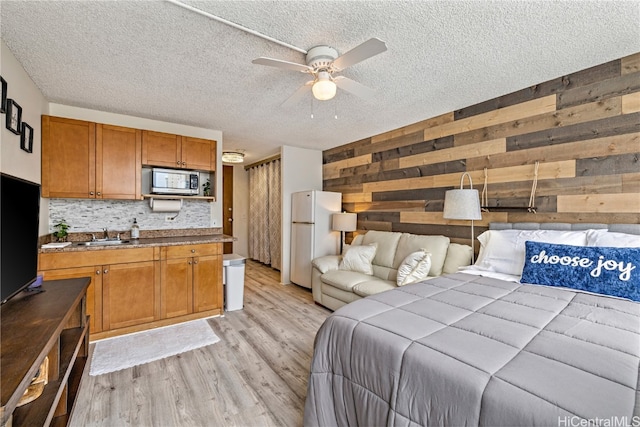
column 583, row 129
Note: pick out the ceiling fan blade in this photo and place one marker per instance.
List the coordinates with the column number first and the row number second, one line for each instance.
column 278, row 63
column 298, row 94
column 359, row 53
column 354, row 87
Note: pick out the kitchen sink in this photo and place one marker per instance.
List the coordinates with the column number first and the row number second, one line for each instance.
column 103, row 243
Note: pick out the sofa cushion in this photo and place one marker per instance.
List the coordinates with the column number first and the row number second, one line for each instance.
column 344, row 279
column 371, row 287
column 358, row 258
column 387, row 244
column 414, row 268
column 457, row 256
column 436, row 245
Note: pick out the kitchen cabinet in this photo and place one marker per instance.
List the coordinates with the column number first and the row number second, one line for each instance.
column 133, row 289
column 94, row 291
column 175, row 151
column 125, row 285
column 191, row 279
column 90, row 160
column 131, row 294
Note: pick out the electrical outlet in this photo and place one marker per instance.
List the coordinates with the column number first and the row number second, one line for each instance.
column 169, row 218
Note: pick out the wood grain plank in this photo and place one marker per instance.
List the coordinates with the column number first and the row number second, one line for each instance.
column 349, row 146
column 618, row 125
column 631, row 64
column 600, row 203
column 390, row 144
column 502, row 115
column 571, row 217
column 610, row 165
column 572, row 115
column 599, row 147
column 590, row 75
column 390, row 206
column 332, row 170
column 631, row 103
column 356, row 197
column 437, row 219
column 630, row 183
column 417, row 148
column 364, row 226
column 627, row 83
column 425, row 124
column 378, row 216
column 485, row 148
column 425, row 194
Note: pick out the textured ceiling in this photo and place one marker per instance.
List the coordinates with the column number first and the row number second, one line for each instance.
column 156, row 60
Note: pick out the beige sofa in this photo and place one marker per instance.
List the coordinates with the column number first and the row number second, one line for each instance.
column 334, row 288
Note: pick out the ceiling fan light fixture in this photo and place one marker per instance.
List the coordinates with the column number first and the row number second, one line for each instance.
column 232, row 156
column 324, row 88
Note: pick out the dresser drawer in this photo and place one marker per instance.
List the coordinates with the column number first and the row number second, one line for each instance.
column 185, row 251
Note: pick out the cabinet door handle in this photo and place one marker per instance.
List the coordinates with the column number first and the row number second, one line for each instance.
column 99, row 193
column 98, row 272
column 184, row 163
column 189, row 262
column 178, row 163
column 195, row 262
column 193, row 251
column 91, row 193
column 106, row 271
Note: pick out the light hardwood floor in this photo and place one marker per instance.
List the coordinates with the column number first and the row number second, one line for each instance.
column 256, row 375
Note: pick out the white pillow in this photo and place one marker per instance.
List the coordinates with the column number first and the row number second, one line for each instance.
column 358, row 258
column 612, row 239
column 414, row 267
column 503, row 251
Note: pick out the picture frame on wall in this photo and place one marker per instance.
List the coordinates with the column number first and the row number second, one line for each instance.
column 3, row 104
column 26, row 138
column 14, row 116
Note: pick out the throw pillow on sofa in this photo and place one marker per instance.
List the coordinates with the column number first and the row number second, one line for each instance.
column 358, row 258
column 414, row 267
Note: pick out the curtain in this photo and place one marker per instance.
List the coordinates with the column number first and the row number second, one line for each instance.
column 265, row 213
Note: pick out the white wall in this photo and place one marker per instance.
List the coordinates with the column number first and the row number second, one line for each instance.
column 13, row 160
column 301, row 170
column 241, row 210
column 60, row 110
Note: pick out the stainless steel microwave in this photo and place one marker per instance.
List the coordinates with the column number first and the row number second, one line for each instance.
column 172, row 181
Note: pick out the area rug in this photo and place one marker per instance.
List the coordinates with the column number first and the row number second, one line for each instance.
column 114, row 354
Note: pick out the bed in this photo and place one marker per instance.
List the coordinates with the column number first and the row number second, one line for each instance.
column 475, row 348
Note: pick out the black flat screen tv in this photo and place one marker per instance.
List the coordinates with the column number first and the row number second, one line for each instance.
column 19, row 221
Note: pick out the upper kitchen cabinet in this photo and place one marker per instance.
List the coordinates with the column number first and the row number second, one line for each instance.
column 68, row 158
column 91, row 161
column 175, row 151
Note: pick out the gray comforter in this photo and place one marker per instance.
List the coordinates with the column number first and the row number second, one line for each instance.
column 468, row 350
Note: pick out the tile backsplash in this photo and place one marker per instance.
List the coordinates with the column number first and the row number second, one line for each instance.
column 85, row 215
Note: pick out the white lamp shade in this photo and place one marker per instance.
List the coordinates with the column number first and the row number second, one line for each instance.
column 324, row 88
column 345, row 221
column 462, row 204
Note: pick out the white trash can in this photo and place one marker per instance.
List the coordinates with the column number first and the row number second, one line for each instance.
column 233, row 280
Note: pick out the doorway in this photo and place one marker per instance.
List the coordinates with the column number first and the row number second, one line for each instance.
column 227, row 206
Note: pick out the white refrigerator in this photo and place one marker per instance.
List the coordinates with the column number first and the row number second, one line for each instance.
column 311, row 234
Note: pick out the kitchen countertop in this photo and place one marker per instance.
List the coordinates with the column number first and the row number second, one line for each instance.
column 146, row 243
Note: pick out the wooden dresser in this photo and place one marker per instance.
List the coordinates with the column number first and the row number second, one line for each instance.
column 50, row 324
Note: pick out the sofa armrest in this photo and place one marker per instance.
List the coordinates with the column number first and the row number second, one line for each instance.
column 326, row 263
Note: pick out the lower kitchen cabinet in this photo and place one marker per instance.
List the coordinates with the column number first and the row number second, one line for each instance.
column 139, row 288
column 94, row 291
column 130, row 294
column 191, row 279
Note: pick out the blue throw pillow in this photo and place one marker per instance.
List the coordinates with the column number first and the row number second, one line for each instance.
column 602, row 270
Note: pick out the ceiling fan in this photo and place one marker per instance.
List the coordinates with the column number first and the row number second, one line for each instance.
column 322, row 63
